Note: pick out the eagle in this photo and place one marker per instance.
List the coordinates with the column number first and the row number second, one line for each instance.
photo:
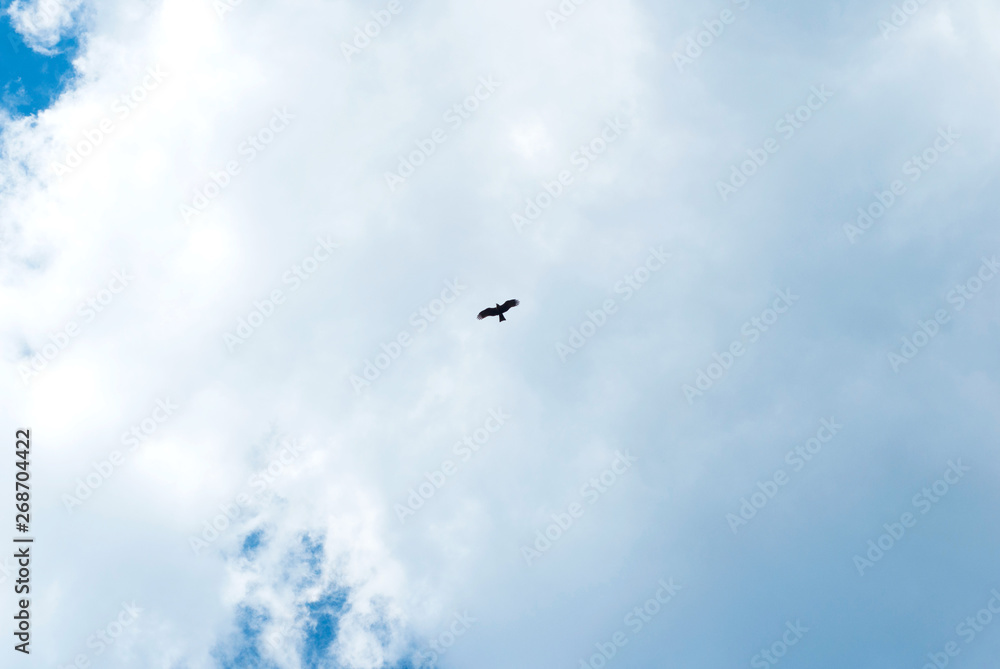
column 498, row 310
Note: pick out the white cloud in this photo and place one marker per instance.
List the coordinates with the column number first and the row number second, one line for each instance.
column 324, row 175
column 43, row 23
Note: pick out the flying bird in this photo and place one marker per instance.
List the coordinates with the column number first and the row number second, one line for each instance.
column 498, row 310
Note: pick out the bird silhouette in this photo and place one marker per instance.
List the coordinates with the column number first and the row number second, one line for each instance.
column 498, row 310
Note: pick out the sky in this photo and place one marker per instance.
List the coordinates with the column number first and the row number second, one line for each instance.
column 744, row 414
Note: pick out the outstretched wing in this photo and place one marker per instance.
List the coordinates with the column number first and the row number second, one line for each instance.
column 492, row 311
column 508, row 304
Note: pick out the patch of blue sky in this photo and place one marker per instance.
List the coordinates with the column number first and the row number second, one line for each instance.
column 251, row 543
column 242, row 649
column 321, row 625
column 31, row 81
column 304, row 565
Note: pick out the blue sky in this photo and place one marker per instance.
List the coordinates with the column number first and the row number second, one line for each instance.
column 32, row 80
column 745, row 409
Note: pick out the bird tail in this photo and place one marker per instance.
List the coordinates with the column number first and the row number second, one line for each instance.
column 502, row 319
